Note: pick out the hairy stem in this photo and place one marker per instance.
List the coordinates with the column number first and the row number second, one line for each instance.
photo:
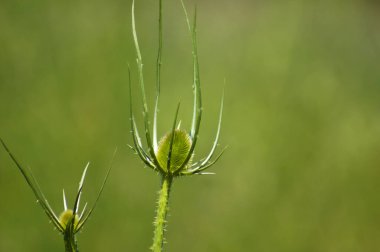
column 162, row 209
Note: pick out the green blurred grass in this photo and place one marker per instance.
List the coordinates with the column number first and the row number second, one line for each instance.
column 302, row 119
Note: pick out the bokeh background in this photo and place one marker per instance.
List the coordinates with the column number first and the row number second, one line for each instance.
column 301, row 119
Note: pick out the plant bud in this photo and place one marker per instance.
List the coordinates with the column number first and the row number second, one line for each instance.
column 179, row 150
column 66, row 216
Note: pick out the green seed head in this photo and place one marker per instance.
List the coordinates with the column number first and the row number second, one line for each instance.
column 66, row 216
column 180, row 150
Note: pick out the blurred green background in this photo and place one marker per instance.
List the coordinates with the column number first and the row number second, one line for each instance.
column 301, row 119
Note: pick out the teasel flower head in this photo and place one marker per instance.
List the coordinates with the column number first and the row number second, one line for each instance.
column 71, row 220
column 173, row 154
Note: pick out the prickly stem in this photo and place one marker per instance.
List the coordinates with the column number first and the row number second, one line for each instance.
column 162, row 210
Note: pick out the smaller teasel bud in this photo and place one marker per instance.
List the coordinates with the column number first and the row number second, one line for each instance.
column 66, row 216
column 171, row 158
column 69, row 222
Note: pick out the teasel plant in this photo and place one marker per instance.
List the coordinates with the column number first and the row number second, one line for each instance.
column 71, row 220
column 172, row 156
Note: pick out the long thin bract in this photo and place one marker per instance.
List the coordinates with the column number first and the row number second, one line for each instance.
column 172, row 139
column 207, row 159
column 197, row 113
column 80, row 225
column 158, row 77
column 136, row 138
column 141, row 80
column 35, row 188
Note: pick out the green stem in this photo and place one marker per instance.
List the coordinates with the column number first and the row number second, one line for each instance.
column 70, row 243
column 69, row 236
column 162, row 209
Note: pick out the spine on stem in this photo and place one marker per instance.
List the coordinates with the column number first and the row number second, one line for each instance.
column 162, row 209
